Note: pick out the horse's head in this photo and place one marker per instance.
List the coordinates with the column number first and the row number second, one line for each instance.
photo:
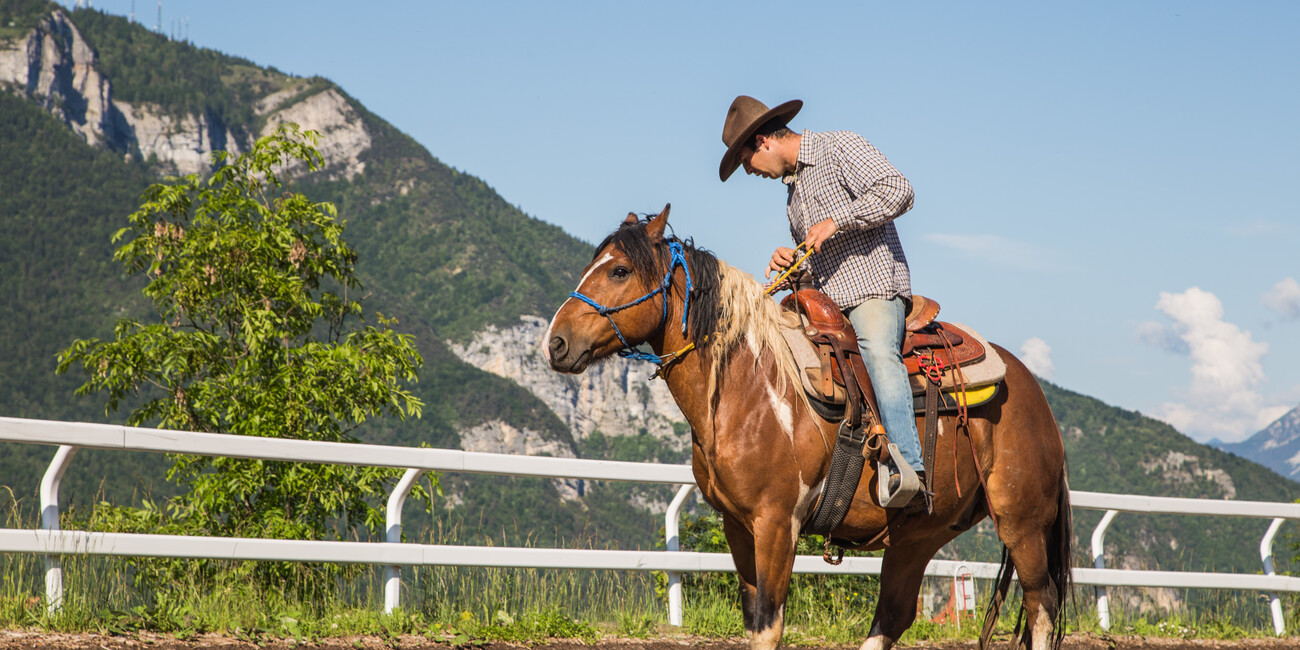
column 617, row 303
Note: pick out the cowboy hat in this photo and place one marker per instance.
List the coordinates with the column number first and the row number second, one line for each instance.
column 746, row 116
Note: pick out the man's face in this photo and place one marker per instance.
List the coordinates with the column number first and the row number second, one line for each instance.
column 760, row 158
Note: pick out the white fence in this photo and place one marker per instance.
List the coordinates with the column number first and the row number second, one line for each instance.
column 52, row 542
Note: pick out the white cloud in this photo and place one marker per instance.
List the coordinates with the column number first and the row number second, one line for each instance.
column 992, row 249
column 1222, row 400
column 1284, row 299
column 1037, row 355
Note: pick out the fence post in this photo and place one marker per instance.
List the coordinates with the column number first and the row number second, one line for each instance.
column 1099, row 562
column 393, row 521
column 50, row 521
column 1266, row 555
column 672, row 527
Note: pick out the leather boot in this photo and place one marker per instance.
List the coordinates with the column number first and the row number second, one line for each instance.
column 920, row 503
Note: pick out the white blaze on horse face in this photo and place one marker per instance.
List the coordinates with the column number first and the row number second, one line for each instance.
column 546, row 341
column 606, row 258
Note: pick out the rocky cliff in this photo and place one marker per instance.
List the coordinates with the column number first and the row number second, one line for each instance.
column 343, row 136
column 615, row 397
column 54, row 66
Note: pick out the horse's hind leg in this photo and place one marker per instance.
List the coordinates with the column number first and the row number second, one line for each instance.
column 1027, row 545
column 763, row 560
column 1028, row 555
column 901, row 572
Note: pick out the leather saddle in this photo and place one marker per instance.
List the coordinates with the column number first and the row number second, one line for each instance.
column 841, row 390
column 929, row 346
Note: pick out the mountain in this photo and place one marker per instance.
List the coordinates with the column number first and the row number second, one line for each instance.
column 1277, row 447
column 1116, row 450
column 93, row 109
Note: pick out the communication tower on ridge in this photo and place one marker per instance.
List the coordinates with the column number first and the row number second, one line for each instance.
column 157, row 27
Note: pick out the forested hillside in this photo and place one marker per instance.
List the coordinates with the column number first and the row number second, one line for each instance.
column 437, row 248
column 60, row 202
column 1114, row 450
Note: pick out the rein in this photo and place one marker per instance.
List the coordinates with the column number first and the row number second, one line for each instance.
column 628, row 351
column 775, row 284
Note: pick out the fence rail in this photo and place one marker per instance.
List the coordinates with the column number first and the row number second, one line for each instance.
column 52, row 542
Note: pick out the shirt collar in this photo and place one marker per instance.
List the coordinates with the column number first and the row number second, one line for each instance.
column 805, row 158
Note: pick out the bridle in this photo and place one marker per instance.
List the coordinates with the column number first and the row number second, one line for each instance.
column 628, row 351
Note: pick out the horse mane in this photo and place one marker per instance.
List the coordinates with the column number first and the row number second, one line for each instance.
column 727, row 305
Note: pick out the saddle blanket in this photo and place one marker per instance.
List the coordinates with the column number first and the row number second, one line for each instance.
column 980, row 378
column 986, row 372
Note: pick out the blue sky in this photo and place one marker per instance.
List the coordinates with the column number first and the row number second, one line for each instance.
column 1107, row 188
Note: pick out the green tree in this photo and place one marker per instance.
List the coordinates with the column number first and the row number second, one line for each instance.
column 258, row 336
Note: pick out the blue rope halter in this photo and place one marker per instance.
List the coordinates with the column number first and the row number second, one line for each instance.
column 629, row 352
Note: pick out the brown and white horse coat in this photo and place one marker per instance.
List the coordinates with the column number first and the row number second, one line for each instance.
column 760, row 452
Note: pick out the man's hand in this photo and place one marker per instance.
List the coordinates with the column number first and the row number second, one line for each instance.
column 819, row 233
column 781, row 258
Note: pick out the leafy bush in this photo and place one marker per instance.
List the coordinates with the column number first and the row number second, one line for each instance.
column 256, row 335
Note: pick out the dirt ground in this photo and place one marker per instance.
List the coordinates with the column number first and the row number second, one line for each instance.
column 16, row 640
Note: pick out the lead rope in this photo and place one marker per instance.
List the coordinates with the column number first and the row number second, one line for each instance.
column 775, row 284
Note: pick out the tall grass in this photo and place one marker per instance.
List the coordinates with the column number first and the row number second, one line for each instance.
column 459, row 604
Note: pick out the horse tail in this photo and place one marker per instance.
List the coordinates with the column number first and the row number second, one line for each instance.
column 1060, row 556
column 994, row 610
column 1060, row 553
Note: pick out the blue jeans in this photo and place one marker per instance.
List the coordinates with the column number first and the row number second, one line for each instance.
column 879, row 325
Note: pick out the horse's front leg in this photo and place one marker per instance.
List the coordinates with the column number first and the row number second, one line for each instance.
column 763, row 560
column 901, row 572
column 741, row 543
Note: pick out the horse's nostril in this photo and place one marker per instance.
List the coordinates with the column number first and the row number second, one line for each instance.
column 558, row 347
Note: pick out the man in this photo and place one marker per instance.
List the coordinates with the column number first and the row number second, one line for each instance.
column 843, row 198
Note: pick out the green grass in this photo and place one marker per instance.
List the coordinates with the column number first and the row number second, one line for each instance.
column 460, row 606
column 517, row 606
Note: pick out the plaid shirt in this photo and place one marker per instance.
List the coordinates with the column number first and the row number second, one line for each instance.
column 840, row 176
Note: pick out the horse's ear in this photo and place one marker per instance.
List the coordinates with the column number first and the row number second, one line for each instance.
column 655, row 229
column 631, row 218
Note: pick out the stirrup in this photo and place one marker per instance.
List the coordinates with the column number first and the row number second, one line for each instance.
column 908, row 484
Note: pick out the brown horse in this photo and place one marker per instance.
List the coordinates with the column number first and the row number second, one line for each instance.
column 761, row 452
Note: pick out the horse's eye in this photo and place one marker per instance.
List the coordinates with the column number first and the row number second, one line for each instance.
column 620, row 272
